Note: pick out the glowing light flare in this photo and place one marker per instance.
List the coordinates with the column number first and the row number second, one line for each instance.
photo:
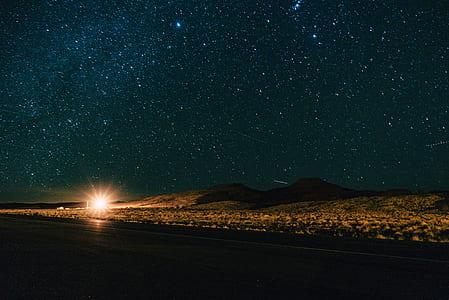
column 100, row 197
column 100, row 202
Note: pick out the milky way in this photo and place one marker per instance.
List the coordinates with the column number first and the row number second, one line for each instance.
column 160, row 96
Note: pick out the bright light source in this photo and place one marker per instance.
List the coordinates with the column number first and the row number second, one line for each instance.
column 100, row 202
column 100, row 197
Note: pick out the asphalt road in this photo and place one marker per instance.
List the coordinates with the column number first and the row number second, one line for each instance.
column 50, row 259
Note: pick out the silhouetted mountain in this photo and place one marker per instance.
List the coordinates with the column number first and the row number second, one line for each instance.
column 224, row 192
column 316, row 189
column 237, row 195
column 231, row 192
column 305, row 189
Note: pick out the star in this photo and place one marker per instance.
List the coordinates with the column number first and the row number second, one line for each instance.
column 297, row 5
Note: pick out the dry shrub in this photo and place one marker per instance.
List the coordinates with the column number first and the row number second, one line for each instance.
column 413, row 217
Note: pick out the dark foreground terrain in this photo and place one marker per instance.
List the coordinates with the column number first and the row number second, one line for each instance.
column 59, row 259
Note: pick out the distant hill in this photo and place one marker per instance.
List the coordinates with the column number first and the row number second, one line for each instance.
column 307, row 189
column 239, row 195
column 316, row 189
column 224, row 192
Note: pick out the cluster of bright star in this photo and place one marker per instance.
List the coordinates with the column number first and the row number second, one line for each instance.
column 297, row 4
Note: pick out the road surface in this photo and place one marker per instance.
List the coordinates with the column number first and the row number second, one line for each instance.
column 51, row 259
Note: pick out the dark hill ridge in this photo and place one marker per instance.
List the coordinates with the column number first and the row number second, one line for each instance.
column 316, row 189
column 224, row 192
column 305, row 189
column 238, row 195
column 231, row 192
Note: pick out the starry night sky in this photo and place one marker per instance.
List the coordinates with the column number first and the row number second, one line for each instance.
column 163, row 96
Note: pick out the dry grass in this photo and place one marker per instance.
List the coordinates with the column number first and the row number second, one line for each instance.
column 418, row 218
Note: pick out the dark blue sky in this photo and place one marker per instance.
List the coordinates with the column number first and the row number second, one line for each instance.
column 161, row 96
